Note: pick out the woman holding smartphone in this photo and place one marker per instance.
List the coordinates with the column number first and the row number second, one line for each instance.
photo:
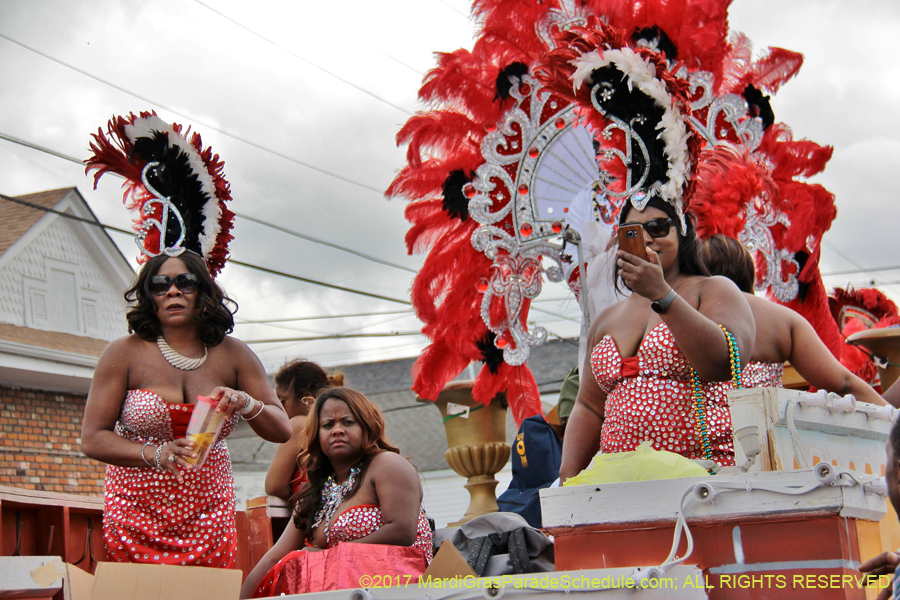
column 663, row 358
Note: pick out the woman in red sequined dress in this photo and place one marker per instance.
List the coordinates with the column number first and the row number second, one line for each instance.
column 360, row 491
column 782, row 334
column 297, row 384
column 158, row 509
column 644, row 348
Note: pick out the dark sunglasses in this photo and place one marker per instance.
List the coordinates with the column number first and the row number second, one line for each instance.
column 187, row 283
column 655, row 228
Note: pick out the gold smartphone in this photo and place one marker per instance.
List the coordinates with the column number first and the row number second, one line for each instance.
column 631, row 240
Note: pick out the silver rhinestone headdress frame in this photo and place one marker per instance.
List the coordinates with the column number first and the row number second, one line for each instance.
column 162, row 223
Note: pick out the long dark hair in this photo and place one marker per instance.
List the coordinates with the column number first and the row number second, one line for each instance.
column 726, row 256
column 317, row 466
column 688, row 256
column 301, row 378
column 216, row 318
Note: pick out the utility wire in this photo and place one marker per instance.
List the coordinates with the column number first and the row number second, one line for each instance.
column 266, row 224
column 16, row 140
column 206, row 125
column 861, row 270
column 336, row 336
column 257, row 268
column 307, row 61
column 291, row 232
column 323, row 242
column 316, row 318
column 230, row 260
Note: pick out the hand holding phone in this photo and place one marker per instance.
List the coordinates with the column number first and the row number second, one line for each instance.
column 631, row 240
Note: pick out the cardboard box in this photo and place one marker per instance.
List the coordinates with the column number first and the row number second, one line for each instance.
column 43, row 577
column 448, row 563
column 128, row 581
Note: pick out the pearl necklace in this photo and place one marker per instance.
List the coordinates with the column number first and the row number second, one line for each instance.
column 178, row 361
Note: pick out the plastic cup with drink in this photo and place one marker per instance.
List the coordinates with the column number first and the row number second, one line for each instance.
column 204, row 429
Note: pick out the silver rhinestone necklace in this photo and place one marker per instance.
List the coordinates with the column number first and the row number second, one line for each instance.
column 177, row 360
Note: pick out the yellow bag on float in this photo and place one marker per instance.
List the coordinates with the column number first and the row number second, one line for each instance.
column 642, row 464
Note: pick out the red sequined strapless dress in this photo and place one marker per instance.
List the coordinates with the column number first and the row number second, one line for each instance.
column 760, row 374
column 302, row 572
column 149, row 517
column 650, row 397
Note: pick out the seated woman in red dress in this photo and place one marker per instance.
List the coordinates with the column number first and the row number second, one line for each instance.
column 297, row 384
column 360, row 491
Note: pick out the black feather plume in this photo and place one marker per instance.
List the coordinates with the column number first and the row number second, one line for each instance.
column 759, row 105
column 491, row 354
column 657, row 40
column 638, row 109
column 504, row 79
column 455, row 202
column 175, row 179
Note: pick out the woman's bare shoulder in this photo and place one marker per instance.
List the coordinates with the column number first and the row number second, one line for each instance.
column 125, row 344
column 232, row 343
column 390, row 460
column 236, row 350
column 611, row 314
column 772, row 312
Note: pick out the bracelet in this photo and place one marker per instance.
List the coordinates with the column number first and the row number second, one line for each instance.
column 248, row 404
column 157, row 455
column 261, row 408
column 144, row 456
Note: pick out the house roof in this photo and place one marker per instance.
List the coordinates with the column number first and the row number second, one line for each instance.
column 53, row 340
column 38, row 353
column 415, row 427
column 18, row 219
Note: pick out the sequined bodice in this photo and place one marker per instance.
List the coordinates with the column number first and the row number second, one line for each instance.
column 650, row 397
column 658, row 356
column 359, row 521
column 146, row 416
column 758, row 374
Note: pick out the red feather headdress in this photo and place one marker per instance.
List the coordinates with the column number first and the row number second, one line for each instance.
column 482, row 101
column 177, row 186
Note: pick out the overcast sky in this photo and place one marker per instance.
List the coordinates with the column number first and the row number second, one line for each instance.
column 303, row 99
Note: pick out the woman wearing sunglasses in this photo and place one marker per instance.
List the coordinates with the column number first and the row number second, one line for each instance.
column 297, row 384
column 159, row 508
column 661, row 360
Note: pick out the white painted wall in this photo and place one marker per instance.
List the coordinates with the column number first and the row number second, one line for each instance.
column 58, row 250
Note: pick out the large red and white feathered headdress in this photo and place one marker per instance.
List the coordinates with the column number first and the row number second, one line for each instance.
column 510, row 142
column 176, row 185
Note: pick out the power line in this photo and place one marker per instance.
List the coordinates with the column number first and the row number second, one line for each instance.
column 257, row 268
column 15, row 140
column 231, row 260
column 316, row 318
column 307, row 61
column 315, row 282
column 207, row 125
column 861, row 270
column 323, row 242
column 336, row 336
column 291, row 232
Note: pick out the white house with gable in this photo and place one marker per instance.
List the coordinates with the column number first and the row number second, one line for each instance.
column 61, row 285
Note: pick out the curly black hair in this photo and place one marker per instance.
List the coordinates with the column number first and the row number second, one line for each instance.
column 217, row 310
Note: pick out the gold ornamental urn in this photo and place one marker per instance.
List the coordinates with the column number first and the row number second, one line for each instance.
column 476, row 443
